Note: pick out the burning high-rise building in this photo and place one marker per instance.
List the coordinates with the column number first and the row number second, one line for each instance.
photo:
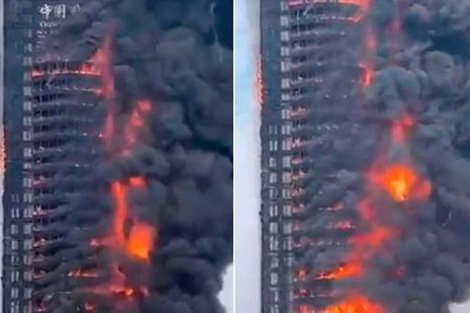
column 127, row 121
column 364, row 155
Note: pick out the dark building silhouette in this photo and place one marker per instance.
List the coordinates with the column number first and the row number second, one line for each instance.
column 303, row 45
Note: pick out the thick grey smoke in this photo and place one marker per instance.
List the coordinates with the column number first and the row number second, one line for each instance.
column 177, row 56
column 421, row 69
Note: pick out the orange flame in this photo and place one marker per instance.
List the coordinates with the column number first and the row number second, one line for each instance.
column 140, row 241
column 259, row 82
column 348, row 270
column 355, row 304
column 402, row 183
column 102, row 60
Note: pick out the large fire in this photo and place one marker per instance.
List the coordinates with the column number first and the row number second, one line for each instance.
column 137, row 240
column 399, row 180
column 355, row 304
column 402, row 183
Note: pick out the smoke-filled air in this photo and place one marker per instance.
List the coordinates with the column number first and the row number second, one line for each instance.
column 146, row 224
column 387, row 193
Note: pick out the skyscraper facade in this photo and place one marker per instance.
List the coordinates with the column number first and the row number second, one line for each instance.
column 28, row 23
column 301, row 41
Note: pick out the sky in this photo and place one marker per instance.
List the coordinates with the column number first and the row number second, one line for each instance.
column 247, row 235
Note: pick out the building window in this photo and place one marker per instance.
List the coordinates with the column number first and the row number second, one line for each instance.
column 276, row 295
column 27, row 121
column 27, row 106
column 286, row 129
column 284, row 35
column 28, row 276
column 28, row 229
column 28, row 197
column 272, row 145
column 284, row 20
column 27, row 91
column 14, row 229
column 274, row 279
column 290, row 243
column 28, row 211
column 27, row 135
column 27, row 244
column 287, row 210
column 286, row 177
column 27, row 259
column 274, row 262
column 272, row 162
column 274, row 308
column 285, row 193
column 272, row 129
column 285, row 114
column 286, row 144
column 285, row 83
column 272, row 193
column 27, row 152
column 273, row 210
column 15, row 307
column 285, row 51
column 286, row 161
column 15, row 276
column 273, row 228
column 27, row 181
column 14, row 293
column 273, row 243
column 284, row 6
column 285, row 97
column 15, row 212
column 14, row 244
column 27, row 61
column 287, row 228
column 284, row 68
column 272, row 178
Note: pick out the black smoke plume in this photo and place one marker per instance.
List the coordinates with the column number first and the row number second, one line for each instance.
column 421, row 68
column 177, row 55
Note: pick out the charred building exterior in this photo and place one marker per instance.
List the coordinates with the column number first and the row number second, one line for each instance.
column 362, row 206
column 111, row 146
column 302, row 44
